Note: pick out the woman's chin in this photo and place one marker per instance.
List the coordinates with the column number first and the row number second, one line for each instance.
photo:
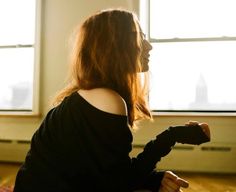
column 145, row 68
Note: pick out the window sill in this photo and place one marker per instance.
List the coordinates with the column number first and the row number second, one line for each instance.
column 19, row 114
column 194, row 114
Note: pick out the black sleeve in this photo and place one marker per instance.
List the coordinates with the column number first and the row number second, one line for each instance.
column 191, row 134
column 144, row 164
column 153, row 181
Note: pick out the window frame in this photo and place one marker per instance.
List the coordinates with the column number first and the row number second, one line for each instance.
column 36, row 68
column 144, row 16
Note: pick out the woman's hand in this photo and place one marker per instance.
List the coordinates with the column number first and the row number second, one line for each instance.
column 204, row 126
column 172, row 183
column 192, row 132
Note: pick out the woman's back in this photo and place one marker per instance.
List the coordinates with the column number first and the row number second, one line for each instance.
column 83, row 143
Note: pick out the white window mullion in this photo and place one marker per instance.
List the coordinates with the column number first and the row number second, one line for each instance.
column 193, row 60
column 19, row 56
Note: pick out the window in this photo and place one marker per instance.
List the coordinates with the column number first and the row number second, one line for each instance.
column 193, row 61
column 18, row 51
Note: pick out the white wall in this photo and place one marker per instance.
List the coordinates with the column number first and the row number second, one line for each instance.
column 59, row 18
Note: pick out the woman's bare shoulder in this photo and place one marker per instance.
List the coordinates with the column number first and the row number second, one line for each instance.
column 106, row 100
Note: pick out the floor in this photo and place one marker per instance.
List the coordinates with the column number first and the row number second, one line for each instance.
column 206, row 182
column 199, row 182
column 8, row 173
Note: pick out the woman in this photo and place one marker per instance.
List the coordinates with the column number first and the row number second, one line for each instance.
column 84, row 142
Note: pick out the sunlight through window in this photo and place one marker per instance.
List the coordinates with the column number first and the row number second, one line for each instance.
column 193, row 59
column 17, row 40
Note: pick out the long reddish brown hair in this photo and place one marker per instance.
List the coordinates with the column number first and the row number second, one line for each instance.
column 106, row 53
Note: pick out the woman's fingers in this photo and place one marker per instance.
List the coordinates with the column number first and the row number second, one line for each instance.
column 182, row 183
column 172, row 183
column 204, row 126
column 168, row 184
column 205, row 129
column 191, row 123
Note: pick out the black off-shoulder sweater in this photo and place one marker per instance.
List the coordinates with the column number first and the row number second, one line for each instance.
column 81, row 148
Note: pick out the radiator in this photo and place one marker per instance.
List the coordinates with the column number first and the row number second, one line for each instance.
column 206, row 158
column 13, row 150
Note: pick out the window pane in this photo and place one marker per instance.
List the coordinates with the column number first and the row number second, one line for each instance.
column 193, row 76
column 192, row 18
column 16, row 78
column 17, row 21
